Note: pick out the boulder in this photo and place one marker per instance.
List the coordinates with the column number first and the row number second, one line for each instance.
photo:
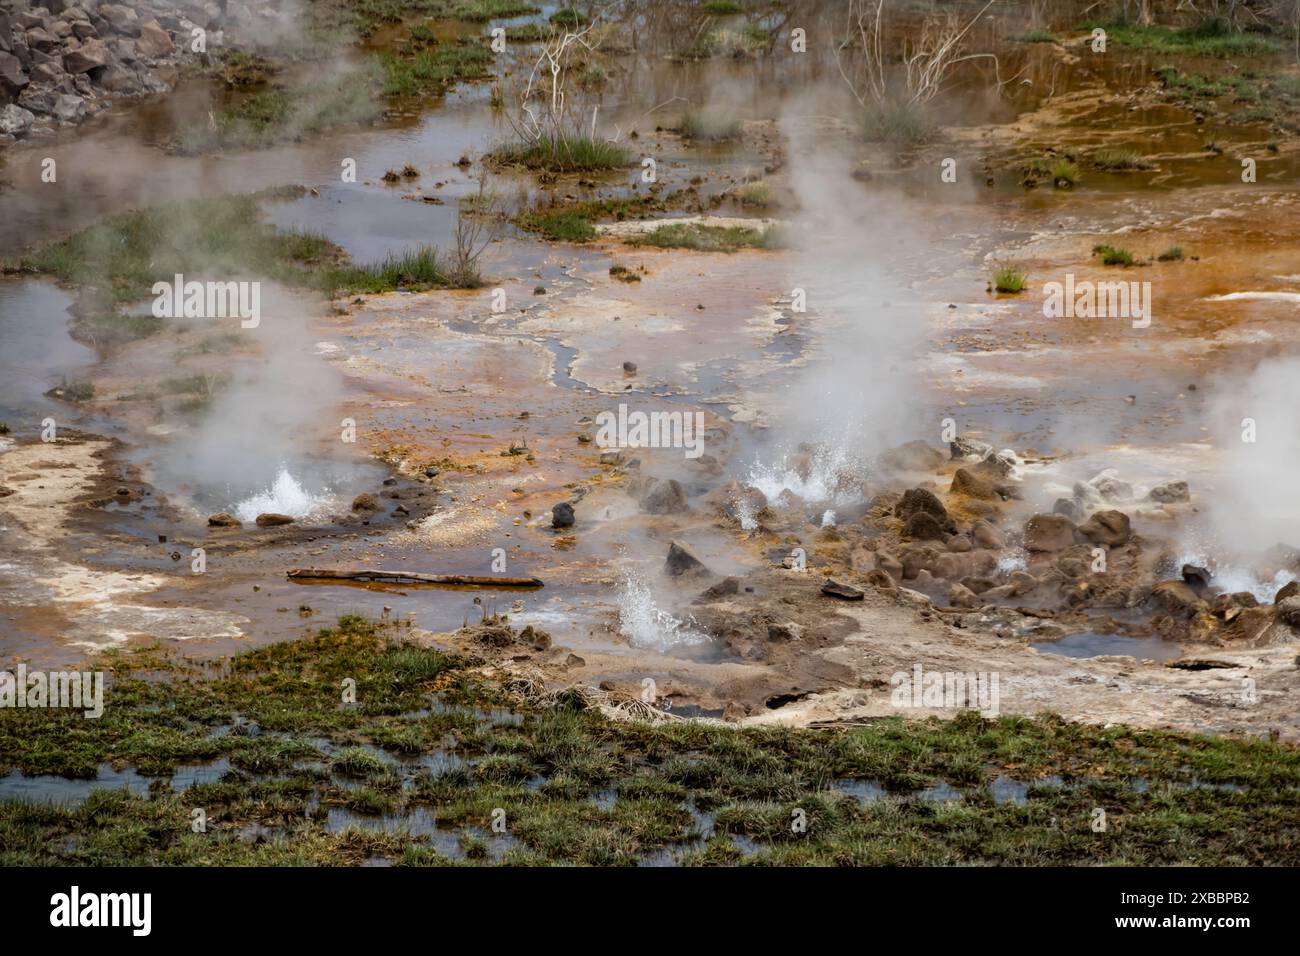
column 1022, row 582
column 845, row 592
column 923, row 526
column 41, row 39
column 12, row 75
column 919, row 499
column 1070, row 507
column 1045, row 532
column 154, row 40
column 1288, row 590
column 961, row 596
column 562, row 515
column 966, row 482
column 1288, row 611
column 959, row 543
column 1170, row 492
column 1177, row 598
column 1087, row 496
column 122, row 19
column 15, row 120
column 966, row 448
column 89, row 56
column 1196, row 575
column 663, row 496
column 365, row 502
column 269, row 519
column 682, row 559
column 1110, row 487
column 49, row 72
column 1109, row 528
column 69, row 108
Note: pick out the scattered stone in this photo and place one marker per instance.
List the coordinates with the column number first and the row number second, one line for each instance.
column 966, row 482
column 89, row 56
column 1177, row 597
column 562, row 515
column 269, row 519
column 1071, row 508
column 15, row 120
column 1288, row 611
column 1170, row 492
column 847, row 592
column 682, row 559
column 573, row 660
column 919, row 499
column 879, row 579
column 1110, row 487
column 629, row 368
column 1022, row 582
column 961, row 596
column 365, row 502
column 785, row 631
column 966, row 448
column 923, row 526
column 664, row 496
column 724, row 588
column 1052, row 532
column 431, row 472
column 960, row 543
column 1111, row 528
column 538, row 639
column 223, row 519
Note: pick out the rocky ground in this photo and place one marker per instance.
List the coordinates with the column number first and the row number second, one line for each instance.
column 62, row 62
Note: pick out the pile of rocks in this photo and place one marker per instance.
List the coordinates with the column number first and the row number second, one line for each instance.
column 64, row 60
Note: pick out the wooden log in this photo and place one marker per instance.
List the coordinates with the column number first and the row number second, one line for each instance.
column 414, row 577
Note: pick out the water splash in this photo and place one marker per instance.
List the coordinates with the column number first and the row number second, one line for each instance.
column 647, row 625
column 832, row 475
column 1231, row 578
column 286, row 496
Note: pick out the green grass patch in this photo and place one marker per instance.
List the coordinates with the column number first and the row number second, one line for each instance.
column 898, row 124
column 1118, row 160
column 754, row 194
column 127, row 253
column 572, row 153
column 433, row 70
column 1211, row 37
column 1172, row 254
column 414, row 270
column 705, row 238
column 575, row 222
column 277, row 113
column 749, row 41
column 580, row 789
column 1113, row 255
column 1008, row 278
column 723, row 8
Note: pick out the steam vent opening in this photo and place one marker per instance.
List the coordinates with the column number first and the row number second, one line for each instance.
column 819, row 433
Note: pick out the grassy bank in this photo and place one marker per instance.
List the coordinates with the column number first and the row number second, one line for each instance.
column 122, row 256
column 562, row 154
column 1210, row 37
column 413, row 772
column 576, row 222
column 704, row 238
